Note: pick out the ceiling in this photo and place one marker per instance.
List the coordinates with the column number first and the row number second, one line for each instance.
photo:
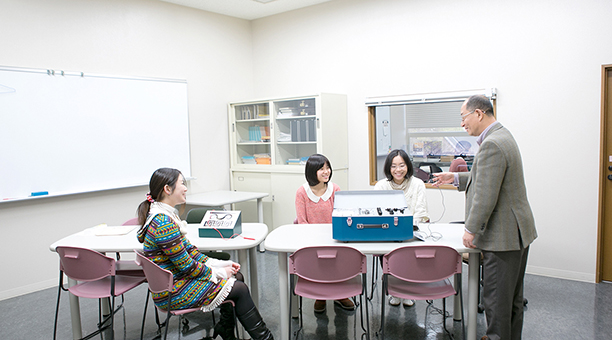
column 247, row 9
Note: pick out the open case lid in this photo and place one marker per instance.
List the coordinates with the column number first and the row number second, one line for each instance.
column 369, row 199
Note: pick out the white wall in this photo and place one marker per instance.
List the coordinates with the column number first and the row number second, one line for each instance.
column 120, row 37
column 543, row 57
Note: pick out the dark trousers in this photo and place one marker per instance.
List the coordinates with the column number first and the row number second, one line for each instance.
column 241, row 296
column 503, row 274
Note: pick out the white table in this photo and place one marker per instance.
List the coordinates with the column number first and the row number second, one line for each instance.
column 252, row 235
column 223, row 197
column 289, row 238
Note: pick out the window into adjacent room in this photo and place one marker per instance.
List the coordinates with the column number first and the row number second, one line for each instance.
column 426, row 126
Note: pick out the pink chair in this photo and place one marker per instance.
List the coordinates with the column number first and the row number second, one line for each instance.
column 161, row 280
column 421, row 273
column 131, row 221
column 96, row 275
column 458, row 165
column 329, row 273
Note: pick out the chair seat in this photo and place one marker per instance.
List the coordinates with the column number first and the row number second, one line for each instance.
column 180, row 311
column 420, row 291
column 328, row 291
column 101, row 288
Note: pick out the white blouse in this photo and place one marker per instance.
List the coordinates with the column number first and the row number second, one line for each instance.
column 415, row 197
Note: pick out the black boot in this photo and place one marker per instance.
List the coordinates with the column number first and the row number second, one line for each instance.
column 226, row 325
column 255, row 326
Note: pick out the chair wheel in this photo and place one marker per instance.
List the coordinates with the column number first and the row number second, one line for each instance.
column 480, row 308
column 525, row 302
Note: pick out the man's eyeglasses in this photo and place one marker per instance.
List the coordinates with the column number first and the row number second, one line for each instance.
column 467, row 114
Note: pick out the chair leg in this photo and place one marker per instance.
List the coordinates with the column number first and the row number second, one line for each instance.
column 112, row 321
column 364, row 287
column 367, row 322
column 382, row 307
column 300, row 318
column 59, row 293
column 375, row 259
column 444, row 318
column 144, row 315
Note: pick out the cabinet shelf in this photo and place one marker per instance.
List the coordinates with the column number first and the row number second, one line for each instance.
column 296, row 143
column 253, row 120
column 253, row 143
column 295, row 117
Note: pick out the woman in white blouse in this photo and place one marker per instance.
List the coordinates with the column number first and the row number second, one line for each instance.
column 398, row 170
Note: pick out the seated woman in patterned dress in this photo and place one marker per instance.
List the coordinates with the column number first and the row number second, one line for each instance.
column 199, row 281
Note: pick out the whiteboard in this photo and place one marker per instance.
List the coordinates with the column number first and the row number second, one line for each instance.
column 66, row 133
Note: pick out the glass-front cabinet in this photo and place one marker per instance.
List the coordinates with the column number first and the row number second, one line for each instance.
column 273, row 138
column 285, row 132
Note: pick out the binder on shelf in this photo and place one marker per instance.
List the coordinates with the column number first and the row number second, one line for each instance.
column 303, row 131
column 312, row 130
column 294, row 130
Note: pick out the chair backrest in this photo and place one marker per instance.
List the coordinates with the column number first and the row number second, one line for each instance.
column 327, row 264
column 159, row 279
column 196, row 215
column 426, row 263
column 131, row 221
column 458, row 165
column 85, row 264
column 421, row 174
column 433, row 167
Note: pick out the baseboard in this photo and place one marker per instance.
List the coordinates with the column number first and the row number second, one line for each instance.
column 561, row 274
column 26, row 289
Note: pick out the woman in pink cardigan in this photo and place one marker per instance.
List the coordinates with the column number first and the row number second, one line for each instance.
column 314, row 203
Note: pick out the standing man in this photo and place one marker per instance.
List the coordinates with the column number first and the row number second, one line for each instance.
column 498, row 218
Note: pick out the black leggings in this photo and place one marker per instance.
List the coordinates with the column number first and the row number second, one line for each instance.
column 241, row 296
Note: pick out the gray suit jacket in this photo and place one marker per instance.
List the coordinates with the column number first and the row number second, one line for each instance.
column 496, row 206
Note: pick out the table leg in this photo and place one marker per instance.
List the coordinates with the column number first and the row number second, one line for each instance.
column 260, row 210
column 75, row 313
column 254, row 285
column 244, row 266
column 473, row 278
column 262, row 246
column 457, row 315
column 283, row 286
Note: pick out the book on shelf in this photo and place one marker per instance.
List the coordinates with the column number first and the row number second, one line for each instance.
column 262, row 158
column 259, row 133
column 286, row 112
column 248, row 160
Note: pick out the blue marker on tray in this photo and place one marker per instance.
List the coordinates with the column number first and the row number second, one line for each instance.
column 39, row 193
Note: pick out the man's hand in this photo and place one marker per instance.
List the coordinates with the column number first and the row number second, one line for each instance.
column 442, row 178
column 468, row 240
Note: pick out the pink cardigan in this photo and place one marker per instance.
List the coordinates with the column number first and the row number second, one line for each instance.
column 312, row 209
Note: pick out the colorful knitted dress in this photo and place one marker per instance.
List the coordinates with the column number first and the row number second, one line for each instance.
column 194, row 282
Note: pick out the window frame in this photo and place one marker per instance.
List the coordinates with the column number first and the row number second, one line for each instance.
column 423, row 98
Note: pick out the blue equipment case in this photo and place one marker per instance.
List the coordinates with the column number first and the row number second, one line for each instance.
column 373, row 215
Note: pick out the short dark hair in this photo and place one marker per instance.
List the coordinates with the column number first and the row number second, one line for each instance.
column 313, row 164
column 481, row 103
column 392, row 154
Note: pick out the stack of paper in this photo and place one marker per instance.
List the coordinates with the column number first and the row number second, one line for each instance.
column 104, row 230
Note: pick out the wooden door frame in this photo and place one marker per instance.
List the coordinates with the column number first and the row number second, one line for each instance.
column 603, row 162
